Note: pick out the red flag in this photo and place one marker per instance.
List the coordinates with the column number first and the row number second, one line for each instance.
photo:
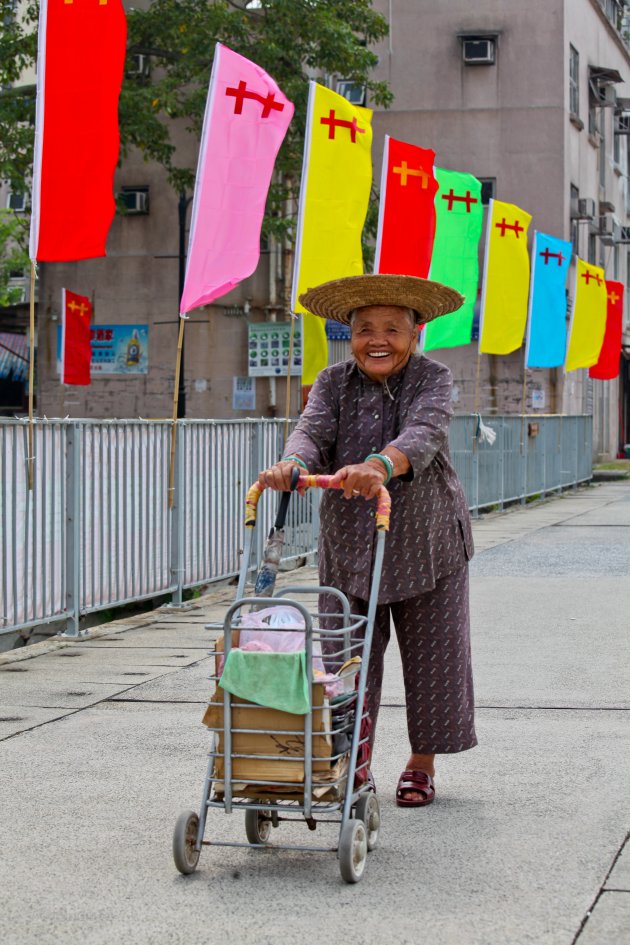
column 81, row 54
column 607, row 367
column 406, row 224
column 76, row 351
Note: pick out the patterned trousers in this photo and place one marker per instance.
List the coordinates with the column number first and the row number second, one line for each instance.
column 433, row 632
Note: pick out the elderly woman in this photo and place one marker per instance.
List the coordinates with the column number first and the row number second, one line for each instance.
column 382, row 418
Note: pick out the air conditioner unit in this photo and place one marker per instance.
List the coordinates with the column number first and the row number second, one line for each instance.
column 606, row 96
column 478, row 52
column 140, row 65
column 609, row 231
column 16, row 202
column 135, row 201
column 585, row 208
column 353, row 91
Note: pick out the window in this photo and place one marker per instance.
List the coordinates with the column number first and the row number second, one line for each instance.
column 574, row 81
column 16, row 202
column 134, row 200
column 592, row 249
column 488, row 189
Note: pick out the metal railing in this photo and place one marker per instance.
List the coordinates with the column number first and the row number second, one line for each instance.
column 96, row 531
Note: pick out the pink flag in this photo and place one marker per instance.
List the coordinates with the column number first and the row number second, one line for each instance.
column 246, row 119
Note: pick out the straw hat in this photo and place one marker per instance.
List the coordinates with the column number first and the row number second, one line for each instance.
column 338, row 298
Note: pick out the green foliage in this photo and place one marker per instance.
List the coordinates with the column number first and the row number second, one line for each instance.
column 18, row 51
column 13, row 254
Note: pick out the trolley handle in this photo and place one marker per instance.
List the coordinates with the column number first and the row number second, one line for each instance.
column 383, row 499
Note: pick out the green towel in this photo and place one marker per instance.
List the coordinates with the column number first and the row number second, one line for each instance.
column 276, row 680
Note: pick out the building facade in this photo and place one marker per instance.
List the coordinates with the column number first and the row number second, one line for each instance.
column 532, row 98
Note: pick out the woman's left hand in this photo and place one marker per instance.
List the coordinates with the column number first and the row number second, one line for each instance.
column 363, row 479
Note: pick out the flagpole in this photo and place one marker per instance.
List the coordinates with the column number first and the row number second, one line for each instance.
column 287, row 397
column 31, row 376
column 523, row 405
column 476, row 401
column 178, row 364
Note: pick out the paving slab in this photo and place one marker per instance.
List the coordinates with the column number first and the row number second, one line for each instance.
column 16, row 719
column 54, row 694
column 609, row 923
column 515, row 862
column 620, row 874
column 192, row 684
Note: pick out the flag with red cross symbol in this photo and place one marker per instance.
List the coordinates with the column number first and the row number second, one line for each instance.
column 588, row 316
column 546, row 337
column 334, row 196
column 505, row 289
column 246, row 119
column 76, row 351
column 455, row 259
column 80, row 62
column 406, row 220
column 608, row 363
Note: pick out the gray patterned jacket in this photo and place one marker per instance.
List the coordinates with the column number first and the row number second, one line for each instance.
column 349, row 416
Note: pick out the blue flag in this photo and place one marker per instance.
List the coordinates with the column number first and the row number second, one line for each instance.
column 546, row 339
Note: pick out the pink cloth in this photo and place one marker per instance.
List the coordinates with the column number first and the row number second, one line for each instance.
column 245, row 123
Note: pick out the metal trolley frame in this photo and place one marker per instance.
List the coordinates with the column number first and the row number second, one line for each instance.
column 346, row 796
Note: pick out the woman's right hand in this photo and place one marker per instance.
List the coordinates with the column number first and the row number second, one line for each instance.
column 278, row 476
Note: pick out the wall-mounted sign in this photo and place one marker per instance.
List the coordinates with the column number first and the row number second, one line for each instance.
column 538, row 400
column 116, row 349
column 268, row 349
column 335, row 331
column 243, row 393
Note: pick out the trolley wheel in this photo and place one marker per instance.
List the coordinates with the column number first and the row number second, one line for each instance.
column 258, row 825
column 368, row 810
column 184, row 839
column 352, row 850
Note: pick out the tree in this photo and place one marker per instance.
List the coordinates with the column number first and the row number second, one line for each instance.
column 291, row 39
column 18, row 51
column 13, row 255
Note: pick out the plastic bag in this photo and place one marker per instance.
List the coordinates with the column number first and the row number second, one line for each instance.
column 281, row 628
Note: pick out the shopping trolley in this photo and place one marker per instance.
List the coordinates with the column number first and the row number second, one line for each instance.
column 275, row 766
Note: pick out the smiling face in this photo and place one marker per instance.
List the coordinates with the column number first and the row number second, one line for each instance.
column 383, row 339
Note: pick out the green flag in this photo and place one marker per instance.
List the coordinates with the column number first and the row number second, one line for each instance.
column 455, row 260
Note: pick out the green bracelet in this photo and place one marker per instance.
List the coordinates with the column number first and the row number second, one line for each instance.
column 387, row 463
column 295, row 459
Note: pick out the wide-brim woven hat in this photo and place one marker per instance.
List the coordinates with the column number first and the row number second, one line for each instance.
column 338, row 298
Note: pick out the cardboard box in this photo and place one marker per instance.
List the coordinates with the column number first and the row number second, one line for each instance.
column 286, row 750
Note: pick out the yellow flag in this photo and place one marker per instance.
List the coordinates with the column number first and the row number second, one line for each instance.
column 588, row 316
column 505, row 279
column 336, row 182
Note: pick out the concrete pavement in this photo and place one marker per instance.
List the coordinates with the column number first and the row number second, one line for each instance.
column 102, row 747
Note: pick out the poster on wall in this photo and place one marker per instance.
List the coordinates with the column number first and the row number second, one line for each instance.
column 268, row 346
column 116, row 349
column 243, row 393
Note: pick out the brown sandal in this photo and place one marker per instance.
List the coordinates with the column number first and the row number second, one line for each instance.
column 418, row 782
